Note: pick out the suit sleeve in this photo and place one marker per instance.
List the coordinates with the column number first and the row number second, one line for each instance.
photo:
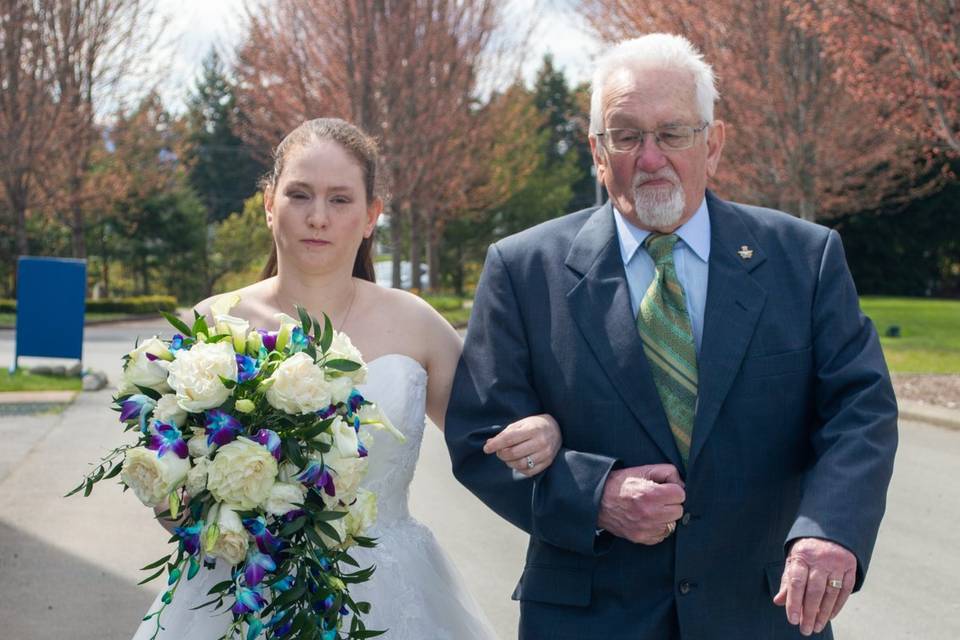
column 493, row 387
column 856, row 437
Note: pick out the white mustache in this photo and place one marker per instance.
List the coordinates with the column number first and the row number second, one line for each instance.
column 667, row 174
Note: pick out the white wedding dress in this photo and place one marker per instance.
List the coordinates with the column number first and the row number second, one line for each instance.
column 415, row 593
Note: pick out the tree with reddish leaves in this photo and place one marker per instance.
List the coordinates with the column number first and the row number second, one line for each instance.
column 29, row 114
column 94, row 46
column 903, row 55
column 797, row 140
column 60, row 62
column 405, row 71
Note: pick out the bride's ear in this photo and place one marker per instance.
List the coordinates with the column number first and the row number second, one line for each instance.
column 268, row 206
column 374, row 209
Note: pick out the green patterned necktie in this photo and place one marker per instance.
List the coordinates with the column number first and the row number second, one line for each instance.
column 664, row 327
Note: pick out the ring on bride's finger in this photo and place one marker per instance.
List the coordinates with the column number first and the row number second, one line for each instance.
column 530, row 463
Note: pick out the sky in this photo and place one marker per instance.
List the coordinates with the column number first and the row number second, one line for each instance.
column 194, row 27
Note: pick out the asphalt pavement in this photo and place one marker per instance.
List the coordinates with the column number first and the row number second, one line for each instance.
column 69, row 566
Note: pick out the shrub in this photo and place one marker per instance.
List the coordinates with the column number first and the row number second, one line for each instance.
column 138, row 304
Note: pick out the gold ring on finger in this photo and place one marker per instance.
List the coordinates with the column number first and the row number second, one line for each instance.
column 835, row 583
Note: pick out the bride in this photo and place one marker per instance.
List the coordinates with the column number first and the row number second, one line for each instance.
column 322, row 209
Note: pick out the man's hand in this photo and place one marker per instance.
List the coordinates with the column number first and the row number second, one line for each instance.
column 805, row 587
column 642, row 504
column 533, row 439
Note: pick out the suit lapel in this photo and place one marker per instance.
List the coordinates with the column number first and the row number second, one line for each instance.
column 733, row 306
column 600, row 305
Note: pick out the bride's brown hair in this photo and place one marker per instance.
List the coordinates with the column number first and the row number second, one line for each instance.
column 359, row 145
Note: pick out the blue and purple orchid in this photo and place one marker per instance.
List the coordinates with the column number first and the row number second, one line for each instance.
column 269, row 339
column 266, row 541
column 317, row 475
column 167, row 437
column 270, row 440
column 249, row 600
column 190, row 537
column 222, row 428
column 247, row 368
column 257, row 566
column 137, row 406
column 298, row 340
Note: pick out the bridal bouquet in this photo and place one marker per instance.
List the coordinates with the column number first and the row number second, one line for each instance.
column 252, row 439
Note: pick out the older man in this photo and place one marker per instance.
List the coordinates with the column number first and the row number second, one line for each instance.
column 728, row 420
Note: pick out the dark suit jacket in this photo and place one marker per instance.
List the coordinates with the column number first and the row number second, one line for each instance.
column 794, row 436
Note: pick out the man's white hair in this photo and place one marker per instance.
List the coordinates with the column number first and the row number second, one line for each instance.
column 654, row 51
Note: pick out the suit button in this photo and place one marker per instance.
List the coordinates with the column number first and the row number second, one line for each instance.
column 685, row 520
column 685, row 587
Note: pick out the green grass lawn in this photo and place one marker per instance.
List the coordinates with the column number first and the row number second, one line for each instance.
column 25, row 381
column 10, row 319
column 450, row 307
column 929, row 339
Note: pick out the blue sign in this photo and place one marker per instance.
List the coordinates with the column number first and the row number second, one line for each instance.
column 51, row 299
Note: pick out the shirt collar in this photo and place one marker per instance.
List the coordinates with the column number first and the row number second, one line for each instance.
column 695, row 233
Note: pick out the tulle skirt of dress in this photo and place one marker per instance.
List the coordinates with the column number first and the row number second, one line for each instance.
column 415, row 593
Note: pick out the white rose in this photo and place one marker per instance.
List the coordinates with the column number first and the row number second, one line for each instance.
column 340, row 388
column 152, row 477
column 348, row 473
column 236, row 328
column 142, row 371
column 284, row 497
column 342, row 348
column 169, row 411
column 198, row 447
column 126, row 388
column 288, row 472
column 197, row 476
column 360, row 516
column 340, row 526
column 232, row 539
column 298, row 386
column 242, row 474
column 195, row 375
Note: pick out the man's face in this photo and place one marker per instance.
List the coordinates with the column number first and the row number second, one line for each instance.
column 655, row 189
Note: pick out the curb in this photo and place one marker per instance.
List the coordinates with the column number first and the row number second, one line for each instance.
column 939, row 416
column 37, row 397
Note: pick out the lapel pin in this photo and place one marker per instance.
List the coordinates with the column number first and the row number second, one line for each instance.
column 745, row 252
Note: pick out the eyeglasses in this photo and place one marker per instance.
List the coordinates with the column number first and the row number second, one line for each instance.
column 671, row 138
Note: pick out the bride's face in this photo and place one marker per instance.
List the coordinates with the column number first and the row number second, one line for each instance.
column 318, row 209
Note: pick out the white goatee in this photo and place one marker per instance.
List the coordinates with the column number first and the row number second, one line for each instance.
column 658, row 208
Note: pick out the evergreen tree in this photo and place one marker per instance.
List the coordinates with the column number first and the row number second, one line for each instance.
column 566, row 115
column 520, row 188
column 223, row 169
column 153, row 224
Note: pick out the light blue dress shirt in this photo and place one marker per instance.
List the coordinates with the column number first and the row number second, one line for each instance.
column 691, row 256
